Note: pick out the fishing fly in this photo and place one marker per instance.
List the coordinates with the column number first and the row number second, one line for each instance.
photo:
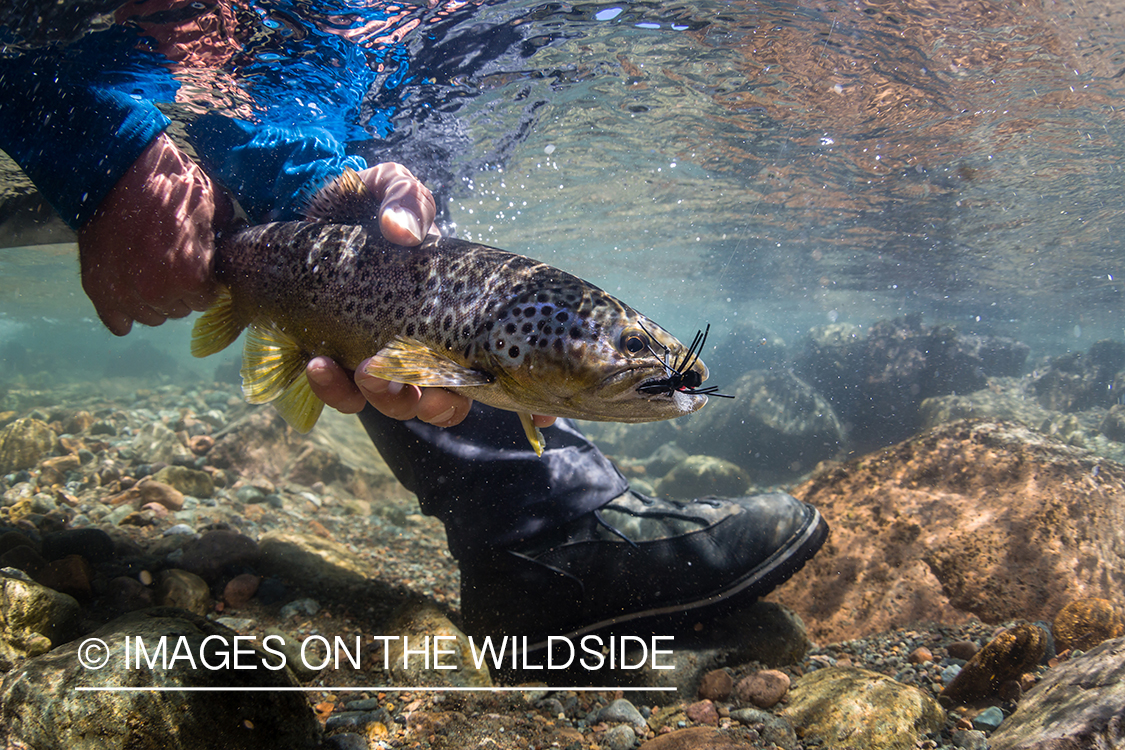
column 680, row 375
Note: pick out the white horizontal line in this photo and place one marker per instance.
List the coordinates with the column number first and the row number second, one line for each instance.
column 365, row 688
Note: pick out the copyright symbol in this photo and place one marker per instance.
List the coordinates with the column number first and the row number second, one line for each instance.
column 93, row 653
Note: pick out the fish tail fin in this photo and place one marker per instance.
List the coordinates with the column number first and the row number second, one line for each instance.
column 217, row 328
column 534, row 436
column 345, row 200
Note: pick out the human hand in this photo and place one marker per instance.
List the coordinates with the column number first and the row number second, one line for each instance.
column 406, row 214
column 146, row 254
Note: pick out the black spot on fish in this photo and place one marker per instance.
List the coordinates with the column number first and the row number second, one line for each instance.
column 562, row 317
column 488, row 325
column 458, row 287
column 544, row 324
column 400, row 313
column 559, row 331
column 514, row 352
column 410, row 330
column 387, row 297
column 447, row 323
column 468, row 351
column 529, row 312
column 528, row 328
column 531, row 340
column 517, row 313
column 431, row 283
column 543, row 297
column 547, row 310
column 466, row 332
column 558, row 345
column 511, row 328
column 576, row 333
column 449, row 343
column 423, row 328
column 524, row 299
column 543, row 342
column 499, row 344
column 503, row 314
column 488, row 346
column 571, row 297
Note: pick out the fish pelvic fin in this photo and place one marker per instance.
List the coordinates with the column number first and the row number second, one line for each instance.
column 345, row 200
column 273, row 370
column 297, row 404
column 217, row 328
column 534, row 436
column 410, row 361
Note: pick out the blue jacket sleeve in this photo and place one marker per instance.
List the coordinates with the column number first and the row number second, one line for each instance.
column 73, row 142
column 272, row 170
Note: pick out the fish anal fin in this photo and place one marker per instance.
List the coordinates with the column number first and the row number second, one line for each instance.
column 217, row 328
column 534, row 436
column 410, row 361
column 271, row 361
column 297, row 404
column 345, row 200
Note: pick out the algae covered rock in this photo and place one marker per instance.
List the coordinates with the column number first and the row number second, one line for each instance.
column 1079, row 704
column 1006, row 657
column 1085, row 623
column 41, row 705
column 188, row 481
column 417, row 623
column 776, row 426
column 33, row 619
column 698, row 476
column 846, row 708
column 24, row 442
column 315, row 562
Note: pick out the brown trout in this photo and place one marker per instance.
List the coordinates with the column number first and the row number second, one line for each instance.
column 500, row 328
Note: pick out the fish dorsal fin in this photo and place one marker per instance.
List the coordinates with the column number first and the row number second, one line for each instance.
column 410, row 361
column 217, row 328
column 345, row 200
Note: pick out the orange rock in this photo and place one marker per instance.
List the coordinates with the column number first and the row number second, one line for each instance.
column 763, row 689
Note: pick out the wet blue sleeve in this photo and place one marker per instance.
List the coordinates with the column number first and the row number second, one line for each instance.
column 73, row 142
column 272, row 170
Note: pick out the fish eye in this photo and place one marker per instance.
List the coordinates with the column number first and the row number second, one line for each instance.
column 634, row 341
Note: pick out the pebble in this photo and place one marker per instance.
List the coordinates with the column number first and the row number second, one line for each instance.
column 240, row 624
column 920, row 655
column 620, row 737
column 988, row 720
column 963, row 650
column 240, row 590
column 763, row 689
column 971, row 739
column 621, row 711
column 180, row 588
column 950, row 673
column 703, row 712
column 716, row 685
column 180, row 528
column 297, row 607
column 71, row 575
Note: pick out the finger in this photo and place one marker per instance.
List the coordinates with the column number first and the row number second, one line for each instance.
column 442, row 408
column 332, row 385
column 542, row 421
column 147, row 316
column 395, row 400
column 116, row 321
column 176, row 310
column 407, row 209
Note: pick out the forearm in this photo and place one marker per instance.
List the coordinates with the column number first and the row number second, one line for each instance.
column 271, row 170
column 74, row 142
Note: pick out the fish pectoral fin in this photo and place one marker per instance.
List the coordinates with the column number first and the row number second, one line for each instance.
column 410, row 361
column 345, row 200
column 271, row 361
column 217, row 328
column 534, row 436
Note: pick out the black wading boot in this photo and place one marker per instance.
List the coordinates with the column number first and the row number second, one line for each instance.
column 636, row 563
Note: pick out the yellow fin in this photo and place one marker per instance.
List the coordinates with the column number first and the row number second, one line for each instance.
column 534, row 436
column 298, row 405
column 271, row 361
column 410, row 361
column 217, row 328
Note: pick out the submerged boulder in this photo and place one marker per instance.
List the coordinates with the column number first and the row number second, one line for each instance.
column 971, row 519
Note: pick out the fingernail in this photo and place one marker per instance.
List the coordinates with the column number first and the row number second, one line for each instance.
column 444, row 417
column 403, row 221
column 318, row 374
column 393, row 388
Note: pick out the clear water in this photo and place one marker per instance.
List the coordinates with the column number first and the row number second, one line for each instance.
column 788, row 164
